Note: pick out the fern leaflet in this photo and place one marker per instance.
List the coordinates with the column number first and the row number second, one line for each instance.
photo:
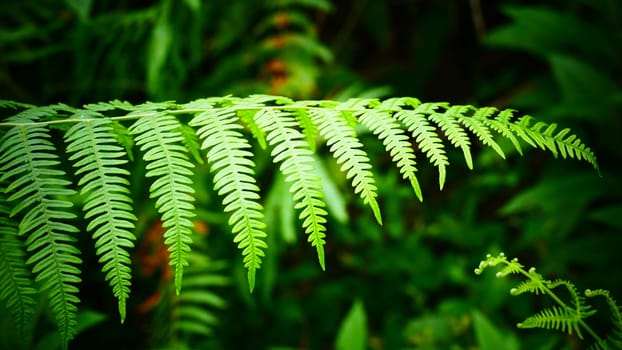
column 396, row 143
column 615, row 339
column 347, row 150
column 480, row 129
column 159, row 137
column 499, row 124
column 557, row 318
column 28, row 159
column 454, row 132
column 98, row 159
column 230, row 160
column 426, row 137
column 16, row 286
column 294, row 154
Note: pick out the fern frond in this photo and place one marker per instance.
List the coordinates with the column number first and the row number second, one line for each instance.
column 294, row 154
column 98, row 159
column 349, row 153
column 448, row 122
column 426, row 137
column 28, row 159
column 396, row 143
column 615, row 339
column 557, row 318
column 230, row 161
column 529, row 286
column 159, row 138
column 17, row 289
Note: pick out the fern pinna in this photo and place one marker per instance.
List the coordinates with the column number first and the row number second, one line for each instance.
column 99, row 139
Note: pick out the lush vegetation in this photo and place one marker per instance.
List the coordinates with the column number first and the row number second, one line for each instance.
column 130, row 206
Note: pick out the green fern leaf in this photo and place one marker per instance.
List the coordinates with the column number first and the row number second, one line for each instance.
column 480, row 129
column 426, row 137
column 16, row 287
column 529, row 286
column 98, row 159
column 14, row 105
column 297, row 166
column 123, row 137
column 396, row 143
column 542, row 135
column 615, row 339
column 230, row 160
column 573, row 147
column 191, row 142
column 347, row 150
column 28, row 160
column 309, row 129
column 246, row 116
column 500, row 124
column 448, row 122
column 159, row 137
column 557, row 318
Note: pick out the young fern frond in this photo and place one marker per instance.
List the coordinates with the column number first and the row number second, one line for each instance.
column 297, row 166
column 103, row 183
column 29, row 161
column 17, row 289
column 562, row 316
column 231, row 162
column 160, row 138
column 348, row 151
column 615, row 338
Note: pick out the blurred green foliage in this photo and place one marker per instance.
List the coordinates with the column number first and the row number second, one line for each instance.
column 408, row 284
